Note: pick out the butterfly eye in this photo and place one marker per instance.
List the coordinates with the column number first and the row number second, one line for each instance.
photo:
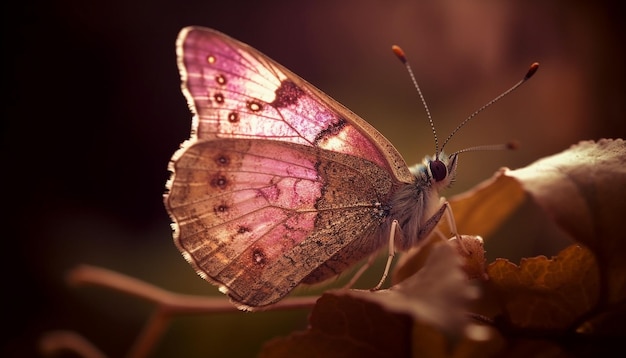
column 438, row 169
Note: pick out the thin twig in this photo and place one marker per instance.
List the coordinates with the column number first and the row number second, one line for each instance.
column 168, row 304
column 174, row 303
column 56, row 342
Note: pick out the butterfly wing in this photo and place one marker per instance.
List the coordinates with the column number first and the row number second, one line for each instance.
column 237, row 92
column 278, row 183
column 258, row 223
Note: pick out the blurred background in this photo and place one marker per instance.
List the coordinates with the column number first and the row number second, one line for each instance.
column 93, row 111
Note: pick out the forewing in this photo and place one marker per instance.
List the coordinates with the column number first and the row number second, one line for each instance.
column 237, row 92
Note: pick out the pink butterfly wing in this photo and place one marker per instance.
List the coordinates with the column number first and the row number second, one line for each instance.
column 278, row 184
column 237, row 92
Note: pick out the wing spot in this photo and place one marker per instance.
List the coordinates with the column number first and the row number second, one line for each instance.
column 258, row 257
column 220, row 79
column 233, row 117
column 287, row 94
column 220, row 209
column 219, row 181
column 254, row 106
column 243, row 230
column 219, row 98
column 210, row 59
column 330, row 131
column 222, row 160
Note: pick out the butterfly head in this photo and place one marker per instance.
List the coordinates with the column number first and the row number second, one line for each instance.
column 438, row 171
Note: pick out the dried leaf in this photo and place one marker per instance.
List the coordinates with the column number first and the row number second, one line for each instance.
column 343, row 326
column 412, row 261
column 431, row 342
column 544, row 293
column 437, row 294
column 482, row 209
column 582, row 187
column 584, row 190
column 472, row 250
column 379, row 323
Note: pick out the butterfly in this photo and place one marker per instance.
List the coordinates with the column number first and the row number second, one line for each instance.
column 280, row 185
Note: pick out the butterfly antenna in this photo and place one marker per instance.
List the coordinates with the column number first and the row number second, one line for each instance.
column 531, row 71
column 512, row 145
column 400, row 54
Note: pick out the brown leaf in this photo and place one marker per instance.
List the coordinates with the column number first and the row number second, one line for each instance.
column 582, row 187
column 482, row 209
column 413, row 260
column 428, row 341
column 431, row 342
column 584, row 190
column 544, row 293
column 343, row 326
column 379, row 323
column 437, row 294
column 472, row 250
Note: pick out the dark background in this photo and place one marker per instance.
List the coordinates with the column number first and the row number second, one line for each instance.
column 93, row 111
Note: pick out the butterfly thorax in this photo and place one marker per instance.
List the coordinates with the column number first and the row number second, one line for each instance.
column 415, row 203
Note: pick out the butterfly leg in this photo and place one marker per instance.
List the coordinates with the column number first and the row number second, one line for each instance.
column 429, row 226
column 450, row 218
column 392, row 253
column 447, row 210
column 452, row 226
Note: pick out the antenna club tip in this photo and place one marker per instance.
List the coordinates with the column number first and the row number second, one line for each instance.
column 399, row 53
column 531, row 71
column 513, row 145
